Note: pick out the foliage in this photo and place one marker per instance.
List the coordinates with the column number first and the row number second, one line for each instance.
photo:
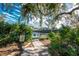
column 40, row 10
column 55, row 43
column 10, row 33
column 64, row 42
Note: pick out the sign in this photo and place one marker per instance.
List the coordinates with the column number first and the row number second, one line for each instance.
column 22, row 38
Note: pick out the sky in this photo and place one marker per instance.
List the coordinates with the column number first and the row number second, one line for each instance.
column 13, row 14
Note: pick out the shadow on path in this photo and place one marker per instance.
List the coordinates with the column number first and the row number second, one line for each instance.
column 38, row 50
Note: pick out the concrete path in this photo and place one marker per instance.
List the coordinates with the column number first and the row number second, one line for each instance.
column 38, row 50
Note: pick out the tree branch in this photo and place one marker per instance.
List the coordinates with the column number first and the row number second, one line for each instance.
column 69, row 12
column 48, row 13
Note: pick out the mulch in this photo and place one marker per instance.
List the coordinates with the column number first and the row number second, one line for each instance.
column 11, row 48
column 4, row 51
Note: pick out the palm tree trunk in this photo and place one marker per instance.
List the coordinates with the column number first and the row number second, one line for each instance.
column 20, row 47
column 19, row 44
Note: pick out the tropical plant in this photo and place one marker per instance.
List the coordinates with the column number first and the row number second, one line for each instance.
column 67, row 43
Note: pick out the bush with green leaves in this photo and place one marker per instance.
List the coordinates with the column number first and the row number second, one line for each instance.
column 10, row 33
column 64, row 42
column 55, row 43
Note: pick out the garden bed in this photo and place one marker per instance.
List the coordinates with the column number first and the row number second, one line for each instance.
column 4, row 51
column 12, row 49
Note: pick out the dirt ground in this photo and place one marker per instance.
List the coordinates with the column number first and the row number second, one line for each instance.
column 4, row 51
column 13, row 48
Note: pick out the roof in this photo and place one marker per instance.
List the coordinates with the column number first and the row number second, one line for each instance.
column 44, row 31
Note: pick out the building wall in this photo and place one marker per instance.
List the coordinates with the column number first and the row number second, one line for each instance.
column 39, row 35
column 35, row 35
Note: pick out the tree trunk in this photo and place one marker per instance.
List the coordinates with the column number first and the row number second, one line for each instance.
column 19, row 44
column 20, row 47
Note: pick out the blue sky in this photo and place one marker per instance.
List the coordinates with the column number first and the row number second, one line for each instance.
column 13, row 14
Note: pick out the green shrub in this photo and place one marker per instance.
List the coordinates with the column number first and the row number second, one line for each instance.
column 64, row 42
column 55, row 43
column 10, row 33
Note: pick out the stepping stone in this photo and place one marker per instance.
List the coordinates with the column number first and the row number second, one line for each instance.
column 37, row 44
column 44, row 53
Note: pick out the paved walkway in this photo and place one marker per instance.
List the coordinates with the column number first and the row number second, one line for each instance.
column 38, row 50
